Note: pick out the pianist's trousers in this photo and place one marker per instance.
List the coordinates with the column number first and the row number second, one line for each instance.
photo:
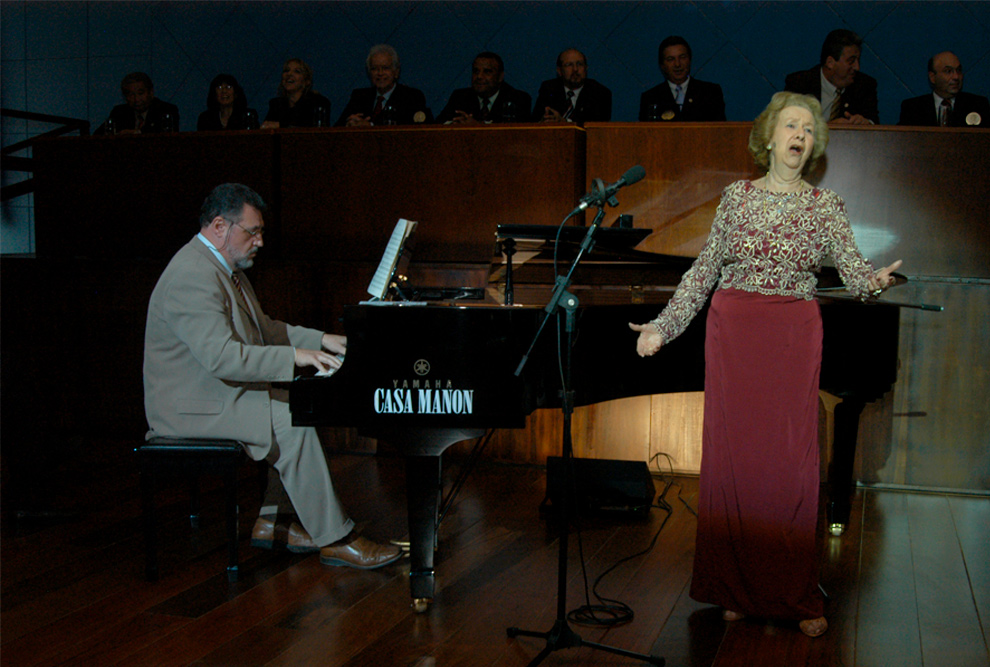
column 303, row 476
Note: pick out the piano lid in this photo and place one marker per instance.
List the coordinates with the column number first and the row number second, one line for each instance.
column 611, row 237
column 614, row 272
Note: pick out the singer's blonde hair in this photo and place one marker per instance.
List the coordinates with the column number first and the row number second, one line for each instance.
column 766, row 123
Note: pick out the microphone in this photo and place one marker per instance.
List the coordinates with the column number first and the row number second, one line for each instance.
column 601, row 193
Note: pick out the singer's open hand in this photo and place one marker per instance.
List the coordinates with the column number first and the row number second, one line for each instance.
column 649, row 341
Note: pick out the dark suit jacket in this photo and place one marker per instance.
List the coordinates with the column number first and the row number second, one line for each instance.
column 594, row 103
column 921, row 111
column 403, row 104
column 303, row 114
column 210, row 120
column 465, row 99
column 703, row 101
column 859, row 98
column 124, row 118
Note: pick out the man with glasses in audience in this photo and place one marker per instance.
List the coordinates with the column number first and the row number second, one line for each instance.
column 211, row 355
column 572, row 96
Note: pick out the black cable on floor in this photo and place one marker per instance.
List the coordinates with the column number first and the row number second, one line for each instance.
column 610, row 612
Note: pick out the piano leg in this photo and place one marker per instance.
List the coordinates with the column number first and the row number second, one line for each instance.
column 840, row 473
column 423, row 497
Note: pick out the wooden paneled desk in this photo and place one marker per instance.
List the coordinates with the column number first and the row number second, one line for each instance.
column 139, row 195
column 334, row 194
column 344, row 190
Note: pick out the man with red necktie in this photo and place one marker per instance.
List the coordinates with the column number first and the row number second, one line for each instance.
column 947, row 105
column 386, row 102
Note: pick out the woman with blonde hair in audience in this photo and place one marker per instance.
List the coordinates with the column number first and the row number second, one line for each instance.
column 297, row 104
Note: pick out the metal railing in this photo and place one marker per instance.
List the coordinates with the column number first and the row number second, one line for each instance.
column 13, row 162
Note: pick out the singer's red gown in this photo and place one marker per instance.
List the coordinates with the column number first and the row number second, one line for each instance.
column 756, row 547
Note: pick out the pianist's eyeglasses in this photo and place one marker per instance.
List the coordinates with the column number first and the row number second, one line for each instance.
column 250, row 232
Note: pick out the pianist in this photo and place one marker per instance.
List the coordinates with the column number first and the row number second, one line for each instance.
column 210, row 357
column 756, row 552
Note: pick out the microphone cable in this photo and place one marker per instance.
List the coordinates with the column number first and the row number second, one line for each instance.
column 610, row 612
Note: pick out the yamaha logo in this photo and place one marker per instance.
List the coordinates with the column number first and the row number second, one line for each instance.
column 421, row 367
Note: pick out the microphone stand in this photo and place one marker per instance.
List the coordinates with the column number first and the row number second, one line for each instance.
column 561, row 636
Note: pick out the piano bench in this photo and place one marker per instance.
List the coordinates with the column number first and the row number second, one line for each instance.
column 189, row 458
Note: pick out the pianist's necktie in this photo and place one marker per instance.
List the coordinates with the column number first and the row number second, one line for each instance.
column 247, row 301
column 237, row 284
column 570, row 105
column 945, row 114
column 378, row 108
column 837, row 105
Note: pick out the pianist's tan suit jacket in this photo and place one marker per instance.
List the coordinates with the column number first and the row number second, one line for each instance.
column 210, row 356
column 209, row 360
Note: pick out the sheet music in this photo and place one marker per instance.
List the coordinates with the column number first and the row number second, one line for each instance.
column 380, row 282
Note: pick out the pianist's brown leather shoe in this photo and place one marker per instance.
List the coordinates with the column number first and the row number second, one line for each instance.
column 814, row 627
column 267, row 533
column 360, row 553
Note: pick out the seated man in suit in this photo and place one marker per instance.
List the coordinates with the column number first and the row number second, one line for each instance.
column 847, row 95
column 489, row 99
column 947, row 105
column 386, row 102
column 211, row 355
column 680, row 97
column 572, row 96
column 142, row 112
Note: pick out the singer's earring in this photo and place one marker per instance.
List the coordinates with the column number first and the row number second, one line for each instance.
column 769, row 147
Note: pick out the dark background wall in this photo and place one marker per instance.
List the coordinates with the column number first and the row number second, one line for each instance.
column 67, row 58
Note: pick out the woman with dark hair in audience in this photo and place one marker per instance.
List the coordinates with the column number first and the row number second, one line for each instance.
column 226, row 107
column 297, row 104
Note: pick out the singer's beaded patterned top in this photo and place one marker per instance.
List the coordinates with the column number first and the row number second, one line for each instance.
column 771, row 243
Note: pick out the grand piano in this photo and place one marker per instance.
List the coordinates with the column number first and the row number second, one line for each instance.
column 426, row 376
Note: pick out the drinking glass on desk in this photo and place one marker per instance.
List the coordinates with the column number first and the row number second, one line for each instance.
column 387, row 117
column 510, row 112
column 168, row 122
column 250, row 119
column 321, row 118
column 110, row 126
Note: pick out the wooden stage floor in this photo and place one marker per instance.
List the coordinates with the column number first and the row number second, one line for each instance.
column 909, row 583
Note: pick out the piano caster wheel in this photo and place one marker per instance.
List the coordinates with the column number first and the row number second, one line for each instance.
column 836, row 529
column 420, row 605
